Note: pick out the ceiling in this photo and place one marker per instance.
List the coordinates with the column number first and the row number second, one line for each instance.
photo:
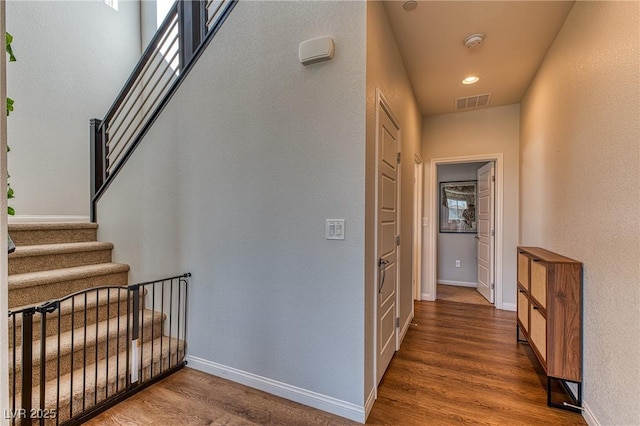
column 431, row 41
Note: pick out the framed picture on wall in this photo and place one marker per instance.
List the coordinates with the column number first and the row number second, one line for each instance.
column 458, row 206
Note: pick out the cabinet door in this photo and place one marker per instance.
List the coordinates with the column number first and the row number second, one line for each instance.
column 523, row 270
column 523, row 310
column 539, row 282
column 538, row 334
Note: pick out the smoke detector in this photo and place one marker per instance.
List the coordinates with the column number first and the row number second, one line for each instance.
column 410, row 5
column 474, row 40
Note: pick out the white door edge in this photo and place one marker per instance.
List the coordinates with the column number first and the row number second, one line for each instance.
column 417, row 232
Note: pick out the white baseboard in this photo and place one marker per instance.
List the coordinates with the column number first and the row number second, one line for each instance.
column 368, row 405
column 47, row 218
column 588, row 415
column 312, row 399
column 405, row 328
column 457, row 283
column 426, row 297
column 509, row 307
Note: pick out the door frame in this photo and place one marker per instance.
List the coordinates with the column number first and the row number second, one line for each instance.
column 430, row 278
column 381, row 102
column 418, row 185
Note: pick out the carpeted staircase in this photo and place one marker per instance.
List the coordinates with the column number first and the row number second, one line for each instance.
column 86, row 338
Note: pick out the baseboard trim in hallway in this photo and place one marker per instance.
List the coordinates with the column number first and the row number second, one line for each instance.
column 588, row 415
column 312, row 399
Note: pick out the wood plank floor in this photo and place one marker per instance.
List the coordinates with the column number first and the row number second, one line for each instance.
column 459, row 364
column 454, row 293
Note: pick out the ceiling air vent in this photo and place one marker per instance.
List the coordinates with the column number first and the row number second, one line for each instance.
column 477, row 101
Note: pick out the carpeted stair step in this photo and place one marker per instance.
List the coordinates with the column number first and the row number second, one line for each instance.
column 111, row 303
column 45, row 257
column 37, row 287
column 108, row 337
column 162, row 350
column 29, row 234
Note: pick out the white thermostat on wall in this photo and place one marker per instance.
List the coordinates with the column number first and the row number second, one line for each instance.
column 316, row 50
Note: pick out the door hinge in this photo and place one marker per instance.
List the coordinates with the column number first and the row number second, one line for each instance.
column 493, row 232
column 398, row 158
column 397, row 322
column 493, row 178
column 397, row 240
column 493, row 286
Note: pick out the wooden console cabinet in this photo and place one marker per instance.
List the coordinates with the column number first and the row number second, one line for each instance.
column 550, row 316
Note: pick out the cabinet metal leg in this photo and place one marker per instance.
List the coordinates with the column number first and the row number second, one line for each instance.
column 518, row 339
column 576, row 400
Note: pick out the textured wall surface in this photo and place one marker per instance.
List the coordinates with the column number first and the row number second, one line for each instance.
column 73, row 59
column 234, row 183
column 484, row 131
column 385, row 71
column 580, row 191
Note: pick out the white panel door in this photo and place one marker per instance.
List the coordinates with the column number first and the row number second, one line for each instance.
column 387, row 223
column 485, row 237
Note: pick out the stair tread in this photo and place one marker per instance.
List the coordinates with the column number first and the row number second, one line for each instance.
column 90, row 369
column 65, row 307
column 148, row 318
column 31, row 279
column 49, row 226
column 60, row 248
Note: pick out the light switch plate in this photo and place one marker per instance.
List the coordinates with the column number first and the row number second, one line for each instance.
column 335, row 229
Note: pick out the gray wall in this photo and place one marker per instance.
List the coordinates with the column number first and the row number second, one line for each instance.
column 73, row 59
column 462, row 247
column 234, row 182
column 580, row 194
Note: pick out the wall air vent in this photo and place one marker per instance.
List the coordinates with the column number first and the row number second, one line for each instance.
column 477, row 101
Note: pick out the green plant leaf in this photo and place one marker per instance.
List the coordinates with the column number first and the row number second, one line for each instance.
column 10, row 193
column 9, row 39
column 9, row 106
column 10, row 211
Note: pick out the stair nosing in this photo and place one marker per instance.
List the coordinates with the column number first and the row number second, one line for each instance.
column 65, row 309
column 92, row 339
column 32, row 279
column 50, row 226
column 67, row 397
column 61, row 248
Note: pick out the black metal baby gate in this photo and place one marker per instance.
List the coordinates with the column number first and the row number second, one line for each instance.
column 72, row 358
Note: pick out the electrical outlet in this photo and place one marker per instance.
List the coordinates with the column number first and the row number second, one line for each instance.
column 457, row 263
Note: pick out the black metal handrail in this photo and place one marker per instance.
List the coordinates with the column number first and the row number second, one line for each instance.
column 117, row 341
column 189, row 27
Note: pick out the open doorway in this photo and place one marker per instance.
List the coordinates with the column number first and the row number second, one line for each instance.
column 452, row 258
column 464, row 262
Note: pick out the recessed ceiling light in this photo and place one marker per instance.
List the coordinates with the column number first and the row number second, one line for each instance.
column 471, row 79
column 410, row 5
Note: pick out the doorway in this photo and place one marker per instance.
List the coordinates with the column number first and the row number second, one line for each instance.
column 433, row 190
